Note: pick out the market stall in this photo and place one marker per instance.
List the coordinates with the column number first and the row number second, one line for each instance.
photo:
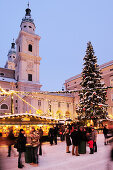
column 25, row 121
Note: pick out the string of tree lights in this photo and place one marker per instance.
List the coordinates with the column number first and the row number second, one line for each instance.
column 93, row 96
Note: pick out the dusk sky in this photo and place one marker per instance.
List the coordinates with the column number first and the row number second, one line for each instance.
column 65, row 27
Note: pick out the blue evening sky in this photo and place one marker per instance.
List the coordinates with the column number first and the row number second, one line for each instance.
column 65, row 27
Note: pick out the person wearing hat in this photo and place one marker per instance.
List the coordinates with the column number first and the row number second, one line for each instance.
column 21, row 147
column 35, row 144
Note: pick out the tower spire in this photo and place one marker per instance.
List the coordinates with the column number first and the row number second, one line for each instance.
column 11, row 57
column 13, row 44
column 28, row 20
column 28, row 4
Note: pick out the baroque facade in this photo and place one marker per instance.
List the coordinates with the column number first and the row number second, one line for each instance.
column 20, row 79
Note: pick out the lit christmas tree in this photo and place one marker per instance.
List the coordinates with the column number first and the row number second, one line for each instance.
column 93, row 94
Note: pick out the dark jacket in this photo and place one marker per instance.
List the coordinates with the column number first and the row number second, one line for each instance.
column 55, row 131
column 105, row 131
column 82, row 136
column 21, row 143
column 75, row 138
column 40, row 133
column 68, row 140
column 51, row 132
column 11, row 138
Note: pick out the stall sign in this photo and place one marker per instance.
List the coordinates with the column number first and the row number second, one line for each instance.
column 25, row 119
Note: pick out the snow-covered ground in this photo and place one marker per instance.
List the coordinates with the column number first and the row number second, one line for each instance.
column 55, row 158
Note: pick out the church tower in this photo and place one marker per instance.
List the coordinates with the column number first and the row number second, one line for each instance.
column 11, row 57
column 27, row 56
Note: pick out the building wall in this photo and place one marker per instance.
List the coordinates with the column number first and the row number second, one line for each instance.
column 50, row 106
column 7, row 86
column 54, row 106
column 7, row 73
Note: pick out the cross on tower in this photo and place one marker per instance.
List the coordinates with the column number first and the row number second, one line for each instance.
column 28, row 4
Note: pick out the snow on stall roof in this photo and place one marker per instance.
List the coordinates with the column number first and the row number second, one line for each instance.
column 7, row 79
column 27, row 114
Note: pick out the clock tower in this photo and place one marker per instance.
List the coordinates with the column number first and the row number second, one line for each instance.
column 27, row 55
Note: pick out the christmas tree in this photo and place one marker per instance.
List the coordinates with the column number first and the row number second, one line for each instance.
column 93, row 94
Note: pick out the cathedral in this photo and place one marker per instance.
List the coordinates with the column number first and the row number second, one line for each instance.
column 22, row 103
column 20, row 86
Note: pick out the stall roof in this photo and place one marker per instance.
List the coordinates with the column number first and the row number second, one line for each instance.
column 27, row 114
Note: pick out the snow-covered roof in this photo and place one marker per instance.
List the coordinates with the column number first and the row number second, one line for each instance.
column 7, row 79
column 27, row 114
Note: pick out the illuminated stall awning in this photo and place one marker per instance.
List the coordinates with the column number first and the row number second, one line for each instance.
column 26, row 119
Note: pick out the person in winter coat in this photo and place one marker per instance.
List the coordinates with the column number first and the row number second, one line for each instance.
column 40, row 140
column 55, row 133
column 90, row 142
column 105, row 132
column 11, row 140
column 94, row 136
column 75, row 141
column 21, row 146
column 68, row 140
column 35, row 144
column 90, row 129
column 82, row 143
column 62, row 133
column 51, row 135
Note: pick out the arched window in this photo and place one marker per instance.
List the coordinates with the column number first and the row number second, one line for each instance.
column 4, row 106
column 1, row 74
column 30, row 47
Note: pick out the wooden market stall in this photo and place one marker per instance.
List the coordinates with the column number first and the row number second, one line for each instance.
column 25, row 121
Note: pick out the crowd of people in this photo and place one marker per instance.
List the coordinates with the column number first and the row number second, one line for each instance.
column 20, row 143
column 76, row 137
